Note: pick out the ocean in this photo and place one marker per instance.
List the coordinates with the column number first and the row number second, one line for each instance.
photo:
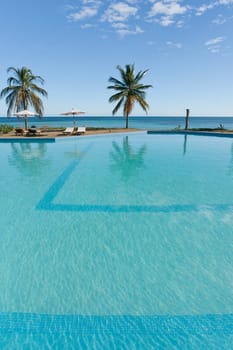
column 144, row 123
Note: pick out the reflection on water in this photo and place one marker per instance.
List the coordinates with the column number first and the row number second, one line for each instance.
column 74, row 153
column 126, row 161
column 28, row 158
column 185, row 144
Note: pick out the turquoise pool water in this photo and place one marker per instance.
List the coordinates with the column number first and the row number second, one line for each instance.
column 130, row 234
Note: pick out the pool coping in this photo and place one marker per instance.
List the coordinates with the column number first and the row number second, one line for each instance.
column 149, row 132
column 189, row 132
column 65, row 138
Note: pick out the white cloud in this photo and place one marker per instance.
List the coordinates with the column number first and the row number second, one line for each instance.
column 180, row 24
column 214, row 49
column 118, row 12
column 174, row 45
column 119, row 25
column 95, row 3
column 215, row 41
column 166, row 21
column 219, row 20
column 124, row 32
column 203, row 8
column 88, row 9
column 85, row 12
column 164, row 11
column 225, row 2
column 134, row 13
column 87, row 26
column 214, row 45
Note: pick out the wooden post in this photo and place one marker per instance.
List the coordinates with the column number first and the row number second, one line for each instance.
column 187, row 119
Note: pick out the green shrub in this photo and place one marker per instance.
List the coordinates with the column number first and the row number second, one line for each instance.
column 4, row 128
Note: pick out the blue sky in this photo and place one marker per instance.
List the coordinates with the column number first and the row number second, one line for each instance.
column 75, row 45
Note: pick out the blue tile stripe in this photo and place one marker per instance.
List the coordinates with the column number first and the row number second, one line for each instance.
column 46, row 202
column 205, row 324
column 133, row 208
column 34, row 331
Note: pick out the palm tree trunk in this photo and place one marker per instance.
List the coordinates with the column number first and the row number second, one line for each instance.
column 127, row 121
column 25, row 116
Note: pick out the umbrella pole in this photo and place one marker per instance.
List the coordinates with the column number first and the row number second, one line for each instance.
column 26, row 122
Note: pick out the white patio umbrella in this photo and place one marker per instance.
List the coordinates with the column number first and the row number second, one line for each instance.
column 25, row 114
column 73, row 112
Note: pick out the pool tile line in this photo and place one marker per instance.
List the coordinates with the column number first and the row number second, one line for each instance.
column 46, row 202
column 189, row 132
column 36, row 323
column 37, row 331
column 134, row 208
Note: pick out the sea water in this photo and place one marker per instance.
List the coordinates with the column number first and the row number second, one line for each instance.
column 146, row 123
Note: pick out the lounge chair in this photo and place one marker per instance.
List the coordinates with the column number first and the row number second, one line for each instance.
column 81, row 130
column 20, row 132
column 68, row 131
column 33, row 131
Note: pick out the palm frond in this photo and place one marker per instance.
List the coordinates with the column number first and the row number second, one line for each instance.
column 22, row 90
column 129, row 90
column 118, row 106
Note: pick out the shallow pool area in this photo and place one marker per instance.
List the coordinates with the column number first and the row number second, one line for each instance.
column 117, row 241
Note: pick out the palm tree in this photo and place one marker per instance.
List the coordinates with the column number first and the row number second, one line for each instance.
column 22, row 91
column 128, row 90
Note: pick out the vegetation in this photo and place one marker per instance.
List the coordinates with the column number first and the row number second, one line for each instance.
column 22, row 91
column 4, row 128
column 129, row 90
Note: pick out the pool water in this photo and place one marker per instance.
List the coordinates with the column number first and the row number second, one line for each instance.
column 121, row 230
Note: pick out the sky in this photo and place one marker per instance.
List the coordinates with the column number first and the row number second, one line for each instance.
column 75, row 45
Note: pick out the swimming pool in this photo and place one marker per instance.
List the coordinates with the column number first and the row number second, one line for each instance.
column 121, row 240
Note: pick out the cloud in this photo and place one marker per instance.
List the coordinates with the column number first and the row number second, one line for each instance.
column 120, row 25
column 214, row 49
column 215, row 41
column 87, row 26
column 119, row 12
column 168, row 8
column 225, row 2
column 174, row 45
column 164, row 11
column 136, row 13
column 219, row 20
column 86, row 12
column 88, row 9
column 123, row 32
column 213, row 45
column 203, row 8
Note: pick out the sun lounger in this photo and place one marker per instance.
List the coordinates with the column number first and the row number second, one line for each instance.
column 33, row 131
column 81, row 130
column 20, row 132
column 68, row 131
